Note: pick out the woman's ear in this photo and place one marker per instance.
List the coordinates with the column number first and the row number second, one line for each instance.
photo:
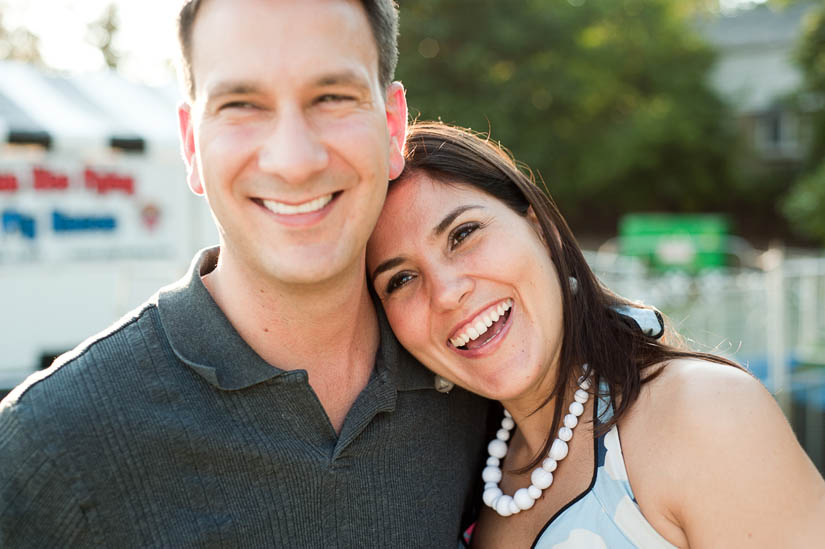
column 533, row 219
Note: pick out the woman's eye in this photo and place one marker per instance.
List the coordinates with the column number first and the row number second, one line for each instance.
column 461, row 232
column 398, row 280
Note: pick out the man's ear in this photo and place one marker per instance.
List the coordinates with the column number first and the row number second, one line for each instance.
column 396, row 107
column 187, row 144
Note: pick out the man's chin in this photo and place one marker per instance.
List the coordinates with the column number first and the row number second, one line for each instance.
column 315, row 270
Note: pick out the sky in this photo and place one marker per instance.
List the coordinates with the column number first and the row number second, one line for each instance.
column 146, row 38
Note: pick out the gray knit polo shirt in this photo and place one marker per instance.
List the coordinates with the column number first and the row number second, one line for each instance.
column 168, row 430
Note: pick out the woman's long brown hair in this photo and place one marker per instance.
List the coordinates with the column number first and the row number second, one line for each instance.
column 616, row 350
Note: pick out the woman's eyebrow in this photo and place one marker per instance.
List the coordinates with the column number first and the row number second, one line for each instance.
column 437, row 231
column 386, row 266
column 450, row 217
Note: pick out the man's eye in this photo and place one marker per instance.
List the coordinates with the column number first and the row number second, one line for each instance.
column 335, row 98
column 397, row 280
column 236, row 105
column 461, row 232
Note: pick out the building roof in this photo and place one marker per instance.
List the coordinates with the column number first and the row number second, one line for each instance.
column 760, row 25
column 755, row 68
column 81, row 111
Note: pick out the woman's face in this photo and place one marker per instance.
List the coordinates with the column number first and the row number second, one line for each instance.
column 468, row 287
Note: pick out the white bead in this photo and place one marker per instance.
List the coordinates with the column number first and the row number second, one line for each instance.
column 558, row 450
column 491, row 474
column 541, row 479
column 523, row 499
column 514, row 508
column 490, row 495
column 497, row 448
column 576, row 408
column 503, row 506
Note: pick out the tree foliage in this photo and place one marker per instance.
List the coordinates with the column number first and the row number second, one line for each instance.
column 19, row 44
column 607, row 99
column 805, row 204
column 101, row 33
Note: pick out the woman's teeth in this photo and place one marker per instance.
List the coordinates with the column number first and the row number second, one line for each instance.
column 480, row 324
column 293, row 209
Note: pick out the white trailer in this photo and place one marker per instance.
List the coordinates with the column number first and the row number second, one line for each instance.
column 95, row 214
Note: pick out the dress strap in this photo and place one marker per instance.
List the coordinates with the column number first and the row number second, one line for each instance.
column 604, row 404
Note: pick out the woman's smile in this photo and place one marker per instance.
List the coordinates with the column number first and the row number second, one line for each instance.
column 484, row 330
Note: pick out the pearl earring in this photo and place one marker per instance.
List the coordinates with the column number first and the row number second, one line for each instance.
column 574, row 285
column 443, row 385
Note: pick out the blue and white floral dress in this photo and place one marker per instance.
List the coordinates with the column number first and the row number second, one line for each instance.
column 606, row 514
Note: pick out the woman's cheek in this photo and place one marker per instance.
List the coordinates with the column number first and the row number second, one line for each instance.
column 411, row 318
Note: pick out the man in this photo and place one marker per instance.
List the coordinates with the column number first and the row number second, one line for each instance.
column 261, row 400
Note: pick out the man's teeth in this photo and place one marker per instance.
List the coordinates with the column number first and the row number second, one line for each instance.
column 479, row 324
column 292, row 209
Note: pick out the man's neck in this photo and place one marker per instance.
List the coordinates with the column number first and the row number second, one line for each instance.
column 329, row 329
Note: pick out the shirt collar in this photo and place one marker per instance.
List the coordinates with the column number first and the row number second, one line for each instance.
column 203, row 338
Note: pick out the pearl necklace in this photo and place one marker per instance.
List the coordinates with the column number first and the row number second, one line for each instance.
column 542, row 477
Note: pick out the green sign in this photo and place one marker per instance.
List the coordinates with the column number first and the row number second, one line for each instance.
column 675, row 241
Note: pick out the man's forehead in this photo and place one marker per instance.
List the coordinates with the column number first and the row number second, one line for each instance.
column 293, row 39
column 291, row 14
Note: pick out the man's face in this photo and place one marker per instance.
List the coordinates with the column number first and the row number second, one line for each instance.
column 290, row 136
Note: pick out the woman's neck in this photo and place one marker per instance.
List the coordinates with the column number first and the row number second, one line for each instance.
column 533, row 420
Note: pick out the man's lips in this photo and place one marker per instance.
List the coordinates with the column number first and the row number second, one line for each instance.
column 300, row 214
column 309, row 206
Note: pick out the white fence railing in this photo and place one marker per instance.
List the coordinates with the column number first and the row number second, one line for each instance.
column 770, row 319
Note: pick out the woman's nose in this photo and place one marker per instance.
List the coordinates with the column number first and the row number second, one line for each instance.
column 450, row 289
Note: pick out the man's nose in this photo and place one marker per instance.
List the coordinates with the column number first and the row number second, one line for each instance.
column 450, row 288
column 292, row 150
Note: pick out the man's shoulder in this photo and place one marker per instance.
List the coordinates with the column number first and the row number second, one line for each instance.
column 69, row 383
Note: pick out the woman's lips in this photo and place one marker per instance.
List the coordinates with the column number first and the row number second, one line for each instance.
column 486, row 340
column 492, row 332
column 480, row 324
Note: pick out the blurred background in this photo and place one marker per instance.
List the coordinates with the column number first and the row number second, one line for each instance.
column 684, row 140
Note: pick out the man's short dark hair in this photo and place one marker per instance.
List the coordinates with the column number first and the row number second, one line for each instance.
column 382, row 16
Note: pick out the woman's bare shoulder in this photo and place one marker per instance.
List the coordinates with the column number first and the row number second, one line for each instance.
column 695, row 397
column 725, row 455
column 686, row 388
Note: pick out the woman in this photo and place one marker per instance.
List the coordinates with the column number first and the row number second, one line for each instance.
column 483, row 282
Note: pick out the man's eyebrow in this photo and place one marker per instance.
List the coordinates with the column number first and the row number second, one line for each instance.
column 341, row 78
column 233, row 87
column 386, row 266
column 450, row 217
column 242, row 87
